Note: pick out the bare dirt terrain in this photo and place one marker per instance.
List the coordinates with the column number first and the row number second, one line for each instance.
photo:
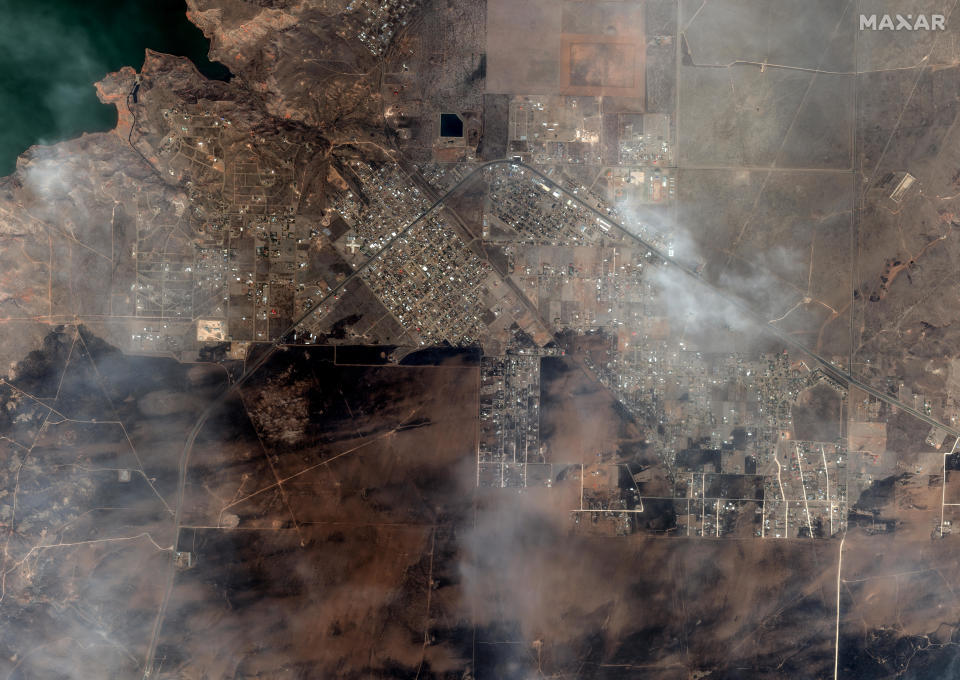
column 622, row 474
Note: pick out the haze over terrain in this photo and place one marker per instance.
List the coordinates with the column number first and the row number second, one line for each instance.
column 53, row 51
column 479, row 340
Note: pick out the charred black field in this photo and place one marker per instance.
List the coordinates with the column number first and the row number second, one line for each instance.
column 479, row 340
column 329, row 509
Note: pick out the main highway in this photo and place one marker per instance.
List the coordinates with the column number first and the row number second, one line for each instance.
column 264, row 355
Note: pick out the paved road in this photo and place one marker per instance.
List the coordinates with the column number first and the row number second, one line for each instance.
column 271, row 349
column 233, row 389
column 827, row 366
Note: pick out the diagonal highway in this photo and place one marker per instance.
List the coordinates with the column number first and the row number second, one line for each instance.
column 828, row 367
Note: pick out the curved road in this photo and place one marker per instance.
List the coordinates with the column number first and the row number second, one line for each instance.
column 828, row 367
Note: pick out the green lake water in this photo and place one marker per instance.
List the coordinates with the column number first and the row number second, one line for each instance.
column 52, row 51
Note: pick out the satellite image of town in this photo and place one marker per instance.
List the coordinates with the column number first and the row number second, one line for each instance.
column 479, row 339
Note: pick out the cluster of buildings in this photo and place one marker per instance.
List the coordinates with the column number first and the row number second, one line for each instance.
column 720, row 421
column 433, row 284
column 548, row 130
column 235, row 254
column 442, row 177
column 633, row 153
column 422, row 271
column 644, row 139
column 193, row 142
column 807, row 495
column 532, row 211
column 509, row 420
column 374, row 22
column 378, row 201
